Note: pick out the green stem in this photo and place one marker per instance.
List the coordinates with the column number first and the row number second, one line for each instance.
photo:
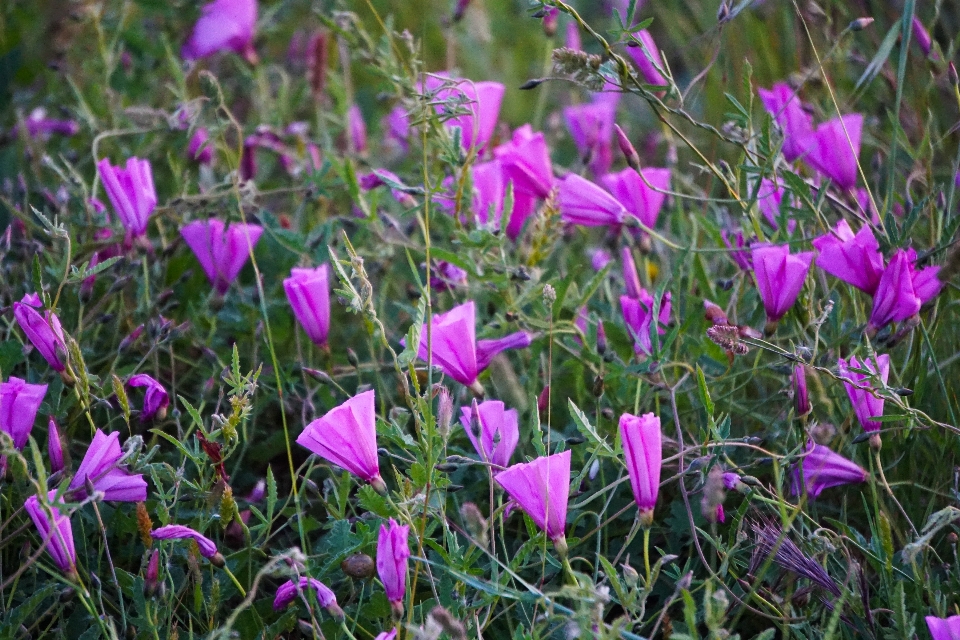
column 243, row 592
column 646, row 554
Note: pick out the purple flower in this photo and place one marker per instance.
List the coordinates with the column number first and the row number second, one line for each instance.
column 308, row 291
column 223, row 25
column 739, row 255
column 387, row 635
column 396, row 129
column 199, row 150
column 591, row 127
column 643, row 453
column 780, row 276
column 855, row 259
column 488, row 349
column 54, row 447
column 447, row 275
column 489, row 192
column 100, row 467
column 640, row 201
column 38, row 125
column 493, row 430
column 821, row 469
column 638, row 316
column 19, row 403
column 208, row 549
column 347, row 437
column 393, row 553
column 865, row 404
column 902, row 290
column 131, row 192
column 572, row 40
column 357, row 129
column 481, row 100
column 382, row 177
column 584, row 203
column 647, row 58
column 831, row 154
column 43, row 331
column 288, row 591
column 222, row 252
column 631, row 280
column 922, row 36
column 782, row 103
column 801, row 398
column 541, row 488
column 526, row 162
column 770, row 202
column 944, row 628
column 599, row 258
column 731, row 480
column 155, row 400
column 54, row 527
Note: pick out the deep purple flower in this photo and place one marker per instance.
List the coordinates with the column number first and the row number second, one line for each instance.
column 584, row 203
column 738, row 253
column 222, row 252
column 223, row 25
column 944, row 628
column 647, row 58
column 526, row 163
column 638, row 316
column 200, row 150
column 43, row 331
column 902, row 290
column 347, row 437
column 591, row 127
column 54, row 447
column 643, row 454
column 326, row 598
column 54, row 527
column 19, row 403
column 831, row 154
column 495, row 433
column 481, row 101
column 541, row 488
column 731, row 480
column 155, row 399
column 100, row 467
column 308, row 291
column 821, row 469
column 640, row 201
column 782, row 103
column 393, row 553
column 865, row 404
column 131, row 192
column 780, row 276
column 855, row 259
column 208, row 549
column 801, row 399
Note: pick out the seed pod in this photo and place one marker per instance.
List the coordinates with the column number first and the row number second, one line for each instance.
column 359, row 566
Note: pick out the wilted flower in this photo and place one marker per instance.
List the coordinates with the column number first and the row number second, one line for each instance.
column 865, row 404
column 54, row 527
column 591, row 127
column 944, row 628
column 638, row 316
column 221, row 251
column 855, row 259
column 54, row 446
column 393, row 553
column 208, row 549
column 347, row 437
column 100, row 468
column 288, row 591
column 780, row 276
column 641, row 201
column 831, row 154
column 642, row 451
column 19, row 403
column 541, row 488
column 493, row 429
column 223, row 25
column 44, row 331
column 155, row 399
column 902, row 290
column 308, row 291
column 584, row 203
column 821, row 469
column 782, row 103
column 647, row 58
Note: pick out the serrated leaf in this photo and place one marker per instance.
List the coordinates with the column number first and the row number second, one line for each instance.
column 585, row 428
column 194, row 414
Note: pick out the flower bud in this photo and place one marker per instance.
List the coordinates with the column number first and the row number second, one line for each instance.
column 627, row 148
column 550, row 19
column 151, row 579
column 601, row 338
column 800, row 397
column 860, row 24
column 444, row 411
column 359, row 566
column 54, row 447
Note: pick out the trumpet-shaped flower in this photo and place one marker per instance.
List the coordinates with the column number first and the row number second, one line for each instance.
column 208, row 548
column 347, row 437
column 155, row 399
column 19, row 403
column 43, row 331
column 821, row 469
column 308, row 291
column 643, row 454
column 832, row 150
column 54, row 446
column 393, row 553
column 541, row 488
column 642, row 197
column 902, row 290
column 224, row 25
column 100, row 466
column 131, row 192
column 222, row 251
column 326, row 598
column 647, row 58
column 54, row 527
column 853, row 258
column 638, row 316
column 782, row 103
column 944, row 628
column 591, row 127
column 780, row 276
column 526, row 163
column 493, row 429
column 865, row 404
column 481, row 101
column 584, row 203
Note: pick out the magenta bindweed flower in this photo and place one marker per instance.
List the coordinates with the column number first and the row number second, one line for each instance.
column 782, row 103
column 833, row 148
column 642, row 197
column 222, row 251
column 224, row 25
column 902, row 290
column 599, row 258
column 38, row 125
column 54, row 446
column 648, row 59
column 19, row 403
column 770, row 202
column 100, row 467
column 865, row 404
column 308, row 291
column 347, row 437
column 55, row 530
column 289, row 590
column 43, row 331
column 392, row 635
column 526, row 163
column 447, row 276
column 488, row 349
column 853, row 258
column 357, row 129
column 638, row 316
column 821, row 469
column 631, row 279
column 396, row 130
column 493, row 429
column 780, row 276
column 643, row 454
column 393, row 553
column 155, row 398
column 200, row 150
column 489, row 191
column 480, row 100
column 541, row 488
column 591, row 127
column 584, row 203
column 944, row 628
column 208, row 548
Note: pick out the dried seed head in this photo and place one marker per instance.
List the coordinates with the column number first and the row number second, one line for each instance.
column 144, row 525
column 728, row 337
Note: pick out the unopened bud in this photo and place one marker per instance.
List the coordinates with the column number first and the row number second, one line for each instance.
column 151, row 579
column 460, row 9
column 543, row 400
column 601, row 338
column 474, row 522
column 714, row 313
column 952, row 72
column 352, row 358
column 860, row 24
column 444, row 411
column 627, row 148
column 630, row 575
column 598, row 386
column 533, row 83
column 550, row 19
column 218, row 560
column 54, row 447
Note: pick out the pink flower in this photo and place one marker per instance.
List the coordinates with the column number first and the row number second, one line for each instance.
column 770, row 202
column 642, row 451
column 393, row 553
column 865, row 404
column 308, row 291
column 288, row 591
column 481, row 100
column 358, row 130
column 541, row 488
column 43, row 331
column 199, row 149
column 599, row 258
column 902, row 290
column 591, row 127
column 487, row 349
column 347, row 437
column 647, row 58
column 855, row 259
column 780, row 276
column 782, row 103
column 208, row 549
column 221, row 251
column 155, row 400
column 223, row 25
column 740, row 257
column 572, row 40
column 100, row 467
column 54, row 527
column 638, row 316
column 631, row 280
column 831, row 154
column 493, row 430
column 526, row 162
column 489, row 191
column 944, row 628
column 387, row 635
column 396, row 129
column 19, row 403
column 639, row 200
column 821, row 469
column 584, row 203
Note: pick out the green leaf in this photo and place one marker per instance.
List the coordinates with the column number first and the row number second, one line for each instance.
column 10, row 627
column 704, row 392
column 271, row 493
column 11, row 354
column 120, row 391
column 587, row 429
column 880, row 57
